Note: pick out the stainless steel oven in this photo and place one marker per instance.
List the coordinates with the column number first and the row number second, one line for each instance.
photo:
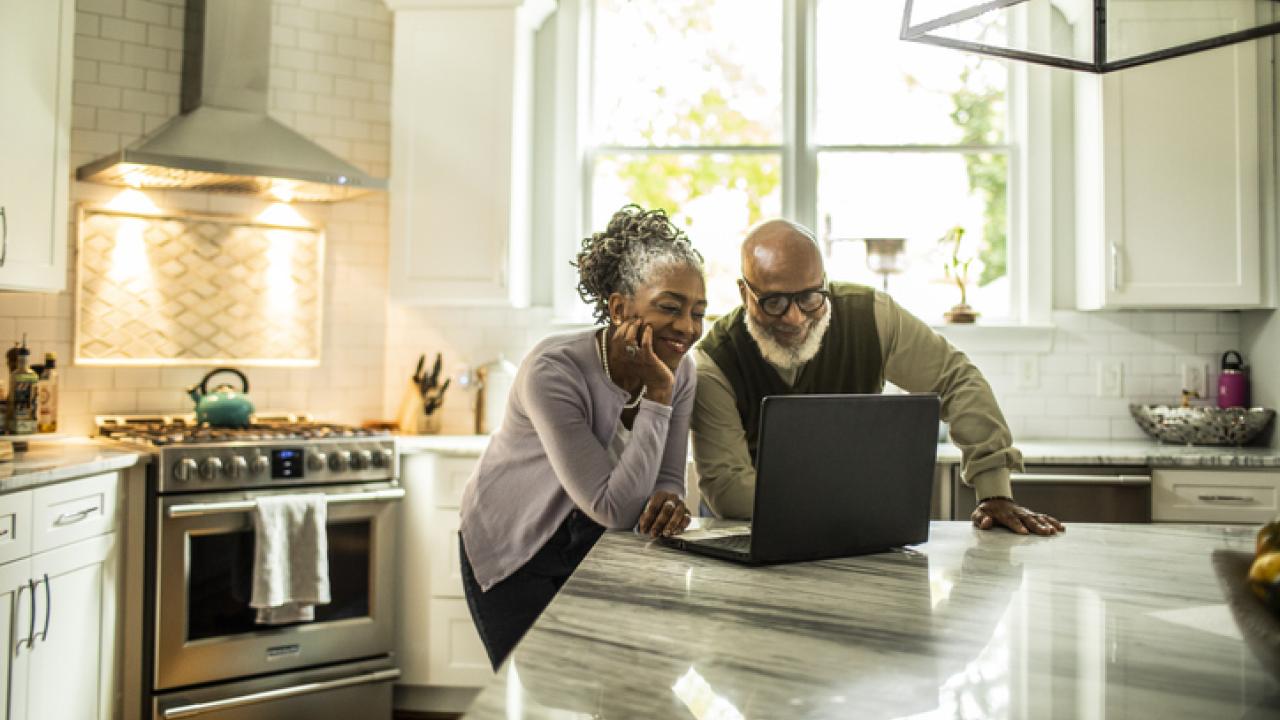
column 193, row 648
column 205, row 627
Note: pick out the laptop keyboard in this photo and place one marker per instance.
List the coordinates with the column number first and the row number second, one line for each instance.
column 737, row 543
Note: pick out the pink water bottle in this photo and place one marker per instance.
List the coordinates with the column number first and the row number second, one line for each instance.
column 1233, row 382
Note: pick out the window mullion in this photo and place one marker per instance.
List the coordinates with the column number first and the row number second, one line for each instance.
column 800, row 165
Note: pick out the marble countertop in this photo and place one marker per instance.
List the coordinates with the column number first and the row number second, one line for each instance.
column 57, row 460
column 1131, row 452
column 1047, row 452
column 1121, row 621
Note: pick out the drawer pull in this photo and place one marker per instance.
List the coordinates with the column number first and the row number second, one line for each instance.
column 1234, row 499
column 1072, row 479
column 71, row 518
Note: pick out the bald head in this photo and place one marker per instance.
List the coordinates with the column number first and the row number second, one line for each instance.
column 779, row 255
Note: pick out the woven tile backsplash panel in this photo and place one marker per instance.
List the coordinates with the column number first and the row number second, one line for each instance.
column 195, row 290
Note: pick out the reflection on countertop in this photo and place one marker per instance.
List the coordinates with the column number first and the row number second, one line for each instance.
column 51, row 461
column 1119, row 621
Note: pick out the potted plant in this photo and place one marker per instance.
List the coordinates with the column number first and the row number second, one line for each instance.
column 956, row 270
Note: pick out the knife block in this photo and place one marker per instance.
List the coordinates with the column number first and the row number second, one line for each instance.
column 410, row 409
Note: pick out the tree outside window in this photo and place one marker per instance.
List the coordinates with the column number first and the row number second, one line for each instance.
column 907, row 141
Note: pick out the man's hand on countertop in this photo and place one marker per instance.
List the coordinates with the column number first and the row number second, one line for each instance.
column 1010, row 514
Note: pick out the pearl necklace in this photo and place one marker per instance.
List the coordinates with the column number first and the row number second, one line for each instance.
column 604, row 358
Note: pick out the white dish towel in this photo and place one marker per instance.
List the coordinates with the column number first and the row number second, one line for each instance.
column 290, row 559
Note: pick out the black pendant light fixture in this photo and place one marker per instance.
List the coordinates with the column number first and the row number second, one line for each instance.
column 1108, row 34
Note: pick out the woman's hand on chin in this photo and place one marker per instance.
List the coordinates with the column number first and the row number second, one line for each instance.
column 665, row 514
column 640, row 366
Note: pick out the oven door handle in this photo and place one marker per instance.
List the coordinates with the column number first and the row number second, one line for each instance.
column 198, row 709
column 239, row 506
column 1040, row 479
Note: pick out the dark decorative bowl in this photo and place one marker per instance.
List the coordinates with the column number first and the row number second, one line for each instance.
column 1201, row 425
column 1259, row 627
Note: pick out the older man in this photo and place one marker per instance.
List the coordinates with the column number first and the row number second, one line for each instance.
column 795, row 333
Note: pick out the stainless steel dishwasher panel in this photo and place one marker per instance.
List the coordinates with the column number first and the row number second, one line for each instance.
column 1073, row 493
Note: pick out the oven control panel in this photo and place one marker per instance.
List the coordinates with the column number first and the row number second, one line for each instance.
column 228, row 466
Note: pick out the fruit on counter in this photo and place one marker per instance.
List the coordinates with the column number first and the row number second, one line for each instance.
column 1268, row 538
column 1264, row 578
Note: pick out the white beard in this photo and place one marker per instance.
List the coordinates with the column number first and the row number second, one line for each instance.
column 783, row 356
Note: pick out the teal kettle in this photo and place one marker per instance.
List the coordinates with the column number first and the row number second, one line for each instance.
column 224, row 407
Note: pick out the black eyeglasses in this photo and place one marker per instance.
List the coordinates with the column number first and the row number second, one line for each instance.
column 777, row 304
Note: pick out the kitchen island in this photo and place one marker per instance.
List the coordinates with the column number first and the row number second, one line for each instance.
column 1120, row 621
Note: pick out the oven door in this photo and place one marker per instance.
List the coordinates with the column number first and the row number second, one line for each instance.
column 205, row 630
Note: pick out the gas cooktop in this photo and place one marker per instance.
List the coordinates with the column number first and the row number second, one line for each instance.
column 162, row 430
column 274, row 450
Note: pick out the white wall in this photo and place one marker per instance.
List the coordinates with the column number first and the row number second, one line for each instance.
column 1260, row 340
column 330, row 80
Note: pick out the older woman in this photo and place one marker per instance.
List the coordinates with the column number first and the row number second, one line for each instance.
column 595, row 431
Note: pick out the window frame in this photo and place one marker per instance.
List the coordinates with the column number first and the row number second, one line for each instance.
column 1027, row 145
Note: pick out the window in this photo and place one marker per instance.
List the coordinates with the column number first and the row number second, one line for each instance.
column 727, row 112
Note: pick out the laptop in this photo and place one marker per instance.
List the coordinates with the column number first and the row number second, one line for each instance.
column 836, row 475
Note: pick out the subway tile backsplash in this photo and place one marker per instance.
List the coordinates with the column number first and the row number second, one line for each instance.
column 128, row 61
column 1150, row 346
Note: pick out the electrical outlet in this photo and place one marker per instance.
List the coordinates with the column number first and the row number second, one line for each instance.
column 1111, row 379
column 1196, row 379
column 1028, row 373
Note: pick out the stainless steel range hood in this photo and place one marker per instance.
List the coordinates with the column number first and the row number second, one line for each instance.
column 224, row 140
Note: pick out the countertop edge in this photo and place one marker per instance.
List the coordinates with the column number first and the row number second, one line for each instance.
column 44, row 464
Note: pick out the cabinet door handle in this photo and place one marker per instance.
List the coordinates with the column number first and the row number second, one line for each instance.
column 1115, row 267
column 31, row 620
column 71, row 518
column 1236, row 499
column 48, row 609
column 4, row 236
column 4, row 532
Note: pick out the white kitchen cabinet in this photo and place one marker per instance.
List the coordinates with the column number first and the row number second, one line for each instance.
column 1168, row 168
column 461, row 149
column 71, row 663
column 59, row 605
column 36, row 40
column 438, row 646
column 1215, row 496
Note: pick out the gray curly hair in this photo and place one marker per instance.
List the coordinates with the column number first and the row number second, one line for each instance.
column 635, row 244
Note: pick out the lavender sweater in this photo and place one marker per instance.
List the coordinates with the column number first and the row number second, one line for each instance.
column 551, row 455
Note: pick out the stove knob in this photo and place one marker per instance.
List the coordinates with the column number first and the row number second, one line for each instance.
column 316, row 460
column 210, row 468
column 261, row 464
column 185, row 469
column 339, row 461
column 239, row 467
column 361, row 459
column 383, row 458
